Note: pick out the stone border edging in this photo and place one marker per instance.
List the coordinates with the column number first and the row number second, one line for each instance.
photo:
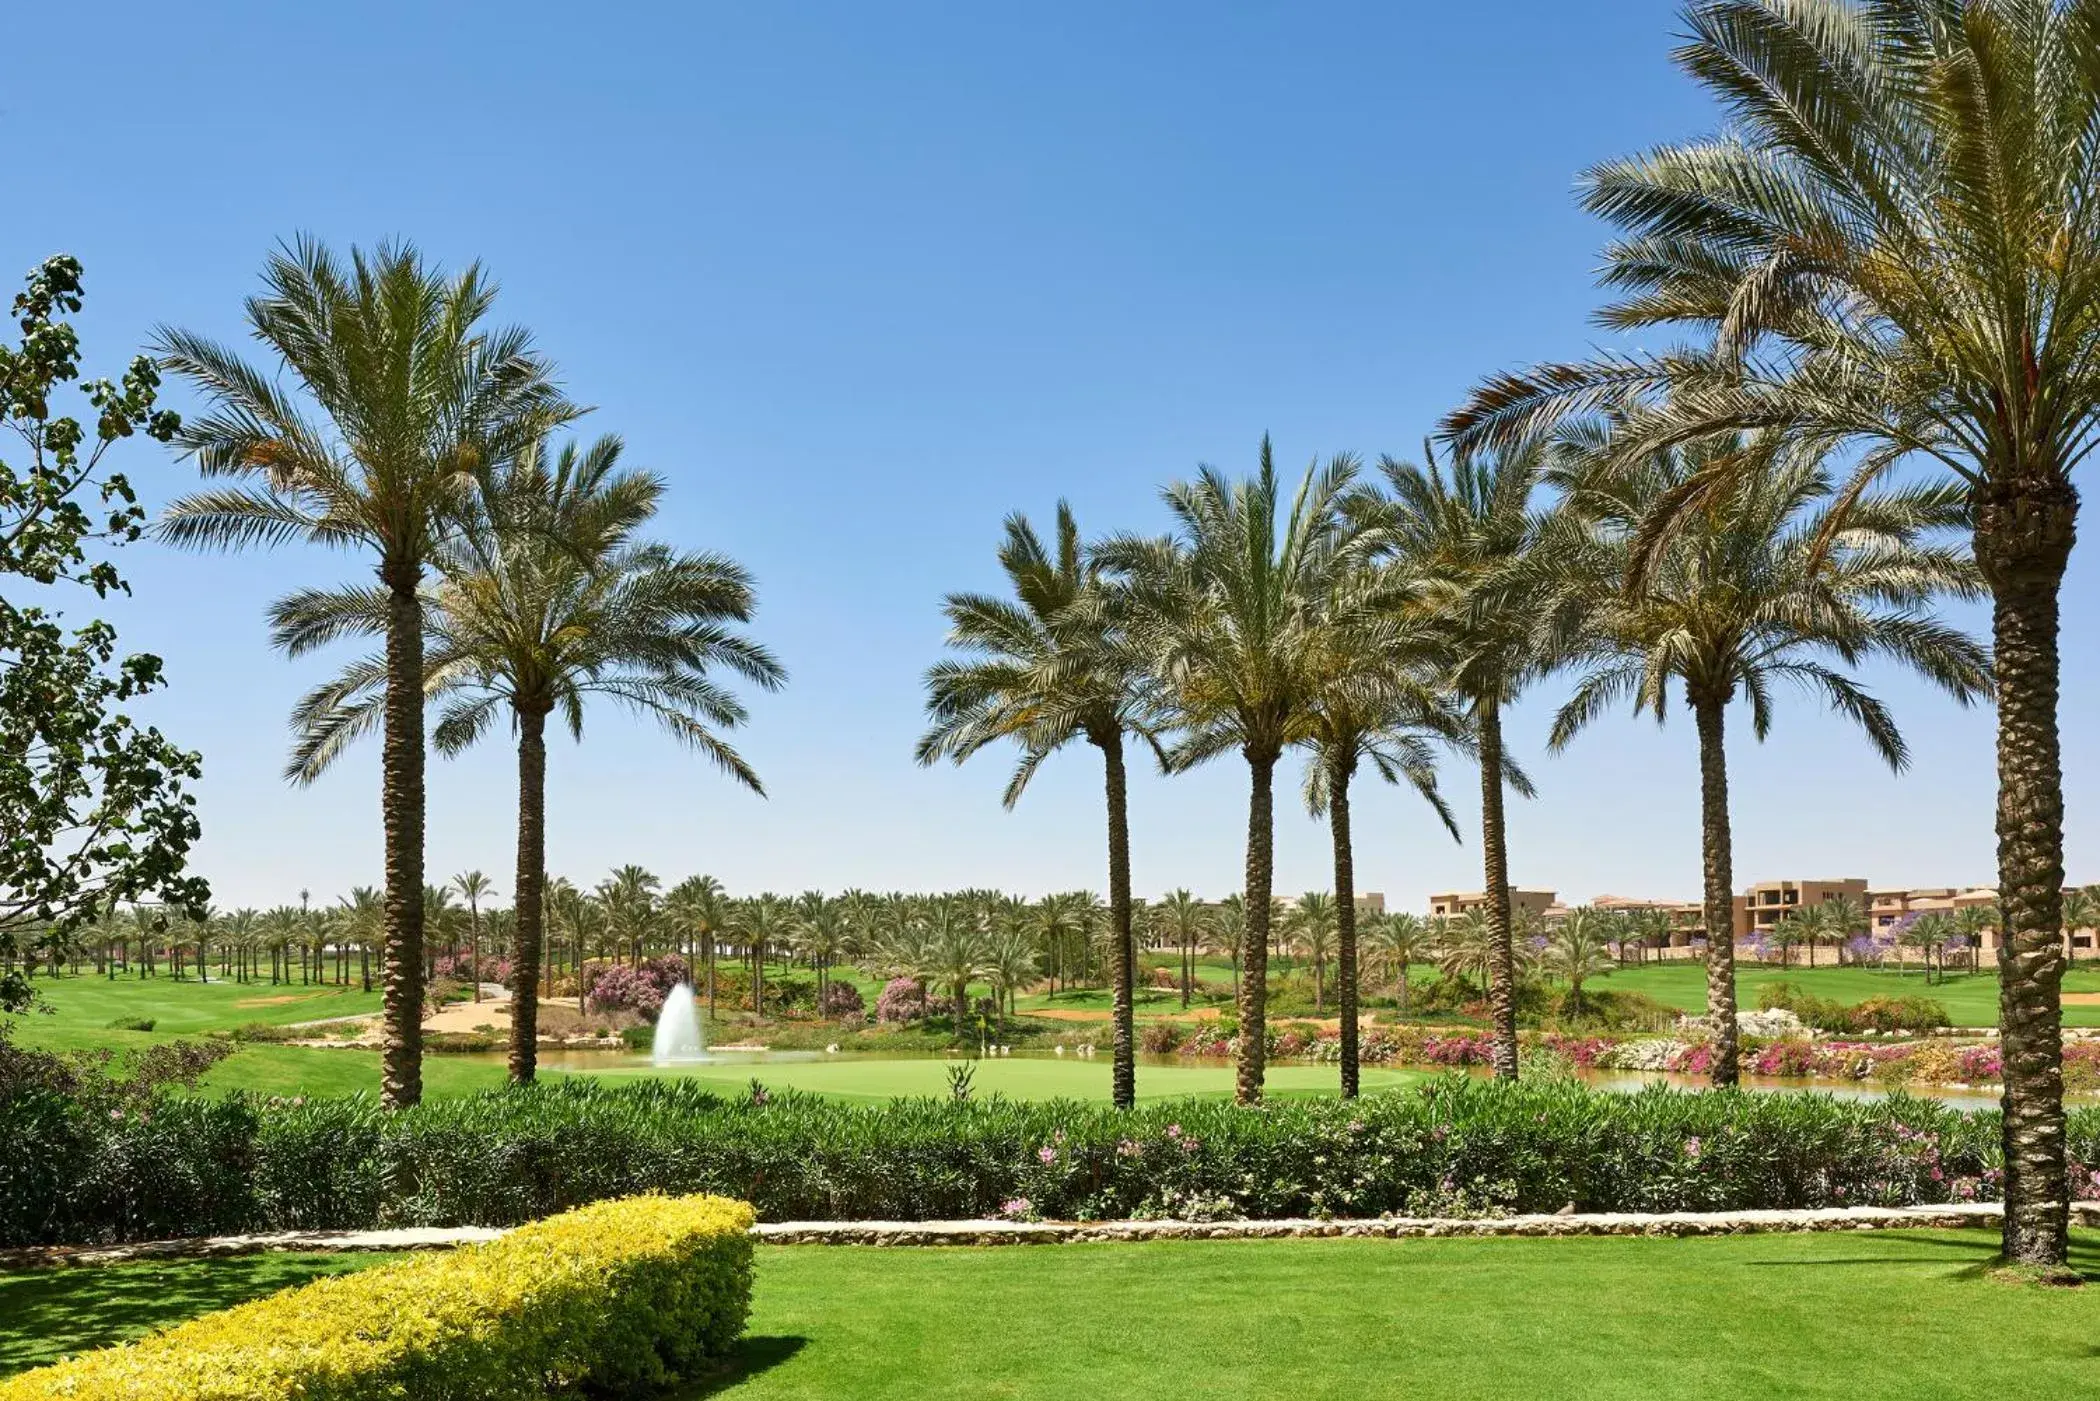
column 1602, row 1223
column 1952, row 1216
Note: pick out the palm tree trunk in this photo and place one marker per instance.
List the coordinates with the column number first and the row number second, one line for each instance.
column 2023, row 538
column 1494, row 849
column 1338, row 776
column 531, row 892
column 1719, row 859
column 1261, row 879
column 1124, row 994
column 401, row 798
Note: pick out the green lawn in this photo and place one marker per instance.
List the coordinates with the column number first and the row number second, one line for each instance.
column 89, row 1003
column 1848, row 1317
column 1971, row 999
column 49, row 1314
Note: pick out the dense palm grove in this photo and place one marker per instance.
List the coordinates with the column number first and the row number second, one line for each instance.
column 1886, row 274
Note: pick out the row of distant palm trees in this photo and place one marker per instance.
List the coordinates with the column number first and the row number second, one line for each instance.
column 949, row 941
column 511, row 577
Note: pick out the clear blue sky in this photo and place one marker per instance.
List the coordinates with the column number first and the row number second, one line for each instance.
column 861, row 279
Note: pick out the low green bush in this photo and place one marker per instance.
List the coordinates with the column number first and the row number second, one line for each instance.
column 1884, row 1014
column 186, row 1165
column 609, row 1300
column 463, row 1042
column 132, row 1024
column 269, row 1032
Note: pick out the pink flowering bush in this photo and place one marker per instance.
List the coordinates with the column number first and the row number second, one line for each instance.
column 901, row 1000
column 842, row 999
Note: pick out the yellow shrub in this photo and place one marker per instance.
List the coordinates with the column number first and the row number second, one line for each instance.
column 615, row 1297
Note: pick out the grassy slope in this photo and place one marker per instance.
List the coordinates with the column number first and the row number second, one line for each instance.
column 91, row 1003
column 48, row 1314
column 1845, row 1317
column 1970, row 999
column 1841, row 1317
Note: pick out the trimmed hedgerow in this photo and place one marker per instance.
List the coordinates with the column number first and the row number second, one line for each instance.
column 191, row 1166
column 609, row 1299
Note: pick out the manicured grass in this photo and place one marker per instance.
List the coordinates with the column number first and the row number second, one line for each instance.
column 308, row 1070
column 1069, row 1078
column 49, row 1314
column 90, row 1003
column 1971, row 999
column 1847, row 1317
column 1850, row 1317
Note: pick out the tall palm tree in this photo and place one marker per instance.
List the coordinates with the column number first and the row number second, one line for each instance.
column 545, row 599
column 1469, row 533
column 2081, row 912
column 1312, row 927
column 1231, row 609
column 1893, row 248
column 1047, row 667
column 821, row 936
column 957, row 951
column 1839, row 918
column 1465, row 948
column 1398, row 940
column 698, row 908
column 1768, row 582
column 1186, row 920
column 1578, row 949
column 474, row 887
column 401, row 394
column 1229, row 928
column 1377, row 700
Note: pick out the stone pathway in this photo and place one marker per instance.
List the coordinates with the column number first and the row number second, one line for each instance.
column 1954, row 1216
column 404, row 1238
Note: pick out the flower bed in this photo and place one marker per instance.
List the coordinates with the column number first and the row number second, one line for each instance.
column 1937, row 1060
column 610, row 1299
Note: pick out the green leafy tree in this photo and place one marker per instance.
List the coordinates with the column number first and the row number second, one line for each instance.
column 386, row 396
column 1892, row 248
column 1769, row 583
column 1050, row 666
column 93, row 806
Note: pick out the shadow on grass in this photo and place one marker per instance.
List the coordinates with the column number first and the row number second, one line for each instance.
column 747, row 1359
column 1979, row 1247
column 49, row 1314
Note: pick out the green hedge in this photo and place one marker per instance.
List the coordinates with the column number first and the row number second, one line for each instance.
column 195, row 1166
column 612, row 1299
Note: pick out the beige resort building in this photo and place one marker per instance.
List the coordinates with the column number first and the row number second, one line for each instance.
column 1762, row 906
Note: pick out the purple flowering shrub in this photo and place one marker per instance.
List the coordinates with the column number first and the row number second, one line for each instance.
column 901, row 1000
column 637, row 988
